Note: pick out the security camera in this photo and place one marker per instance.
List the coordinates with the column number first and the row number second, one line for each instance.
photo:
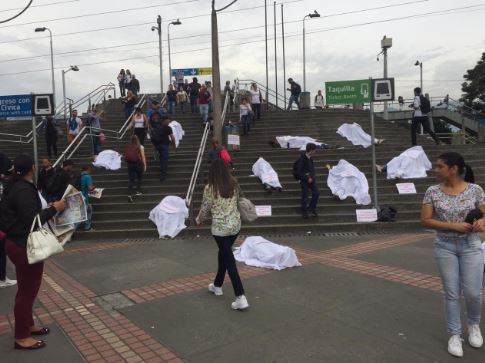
column 154, row 28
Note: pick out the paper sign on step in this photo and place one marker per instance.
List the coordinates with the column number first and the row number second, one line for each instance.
column 263, row 210
column 233, row 139
column 406, row 188
column 366, row 215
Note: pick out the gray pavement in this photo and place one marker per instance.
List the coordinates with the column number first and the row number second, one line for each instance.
column 314, row 313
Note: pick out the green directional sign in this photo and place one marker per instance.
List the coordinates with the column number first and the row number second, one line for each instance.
column 345, row 92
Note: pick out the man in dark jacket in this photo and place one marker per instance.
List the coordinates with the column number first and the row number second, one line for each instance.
column 193, row 94
column 135, row 85
column 306, row 174
column 295, row 90
column 46, row 172
column 57, row 184
column 162, row 137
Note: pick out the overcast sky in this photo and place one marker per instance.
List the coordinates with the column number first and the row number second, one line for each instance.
column 448, row 43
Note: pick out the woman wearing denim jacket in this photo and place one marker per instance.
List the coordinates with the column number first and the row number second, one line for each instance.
column 457, row 247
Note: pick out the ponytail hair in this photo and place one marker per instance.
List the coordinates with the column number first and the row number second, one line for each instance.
column 464, row 170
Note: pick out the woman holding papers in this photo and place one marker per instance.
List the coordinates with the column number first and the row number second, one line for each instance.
column 220, row 200
column 20, row 205
column 454, row 208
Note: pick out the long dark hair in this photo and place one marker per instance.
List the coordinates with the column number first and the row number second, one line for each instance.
column 220, row 180
column 464, row 170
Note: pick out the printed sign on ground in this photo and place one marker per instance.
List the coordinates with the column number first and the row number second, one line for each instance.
column 366, row 215
column 406, row 188
column 263, row 210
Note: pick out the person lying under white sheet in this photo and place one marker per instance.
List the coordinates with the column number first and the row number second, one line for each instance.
column 108, row 159
column 356, row 135
column 169, row 216
column 345, row 180
column 268, row 176
column 299, row 142
column 259, row 252
column 411, row 163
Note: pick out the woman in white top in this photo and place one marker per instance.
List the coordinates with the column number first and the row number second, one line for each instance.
column 182, row 98
column 140, row 124
column 245, row 112
column 255, row 101
column 319, row 100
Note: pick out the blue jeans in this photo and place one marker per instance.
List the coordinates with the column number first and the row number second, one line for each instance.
column 245, row 120
column 460, row 264
column 89, row 222
column 96, row 144
column 193, row 104
column 171, row 107
column 293, row 99
column 305, row 187
column 163, row 153
column 204, row 112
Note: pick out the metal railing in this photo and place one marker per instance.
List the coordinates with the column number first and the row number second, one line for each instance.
column 87, row 132
column 200, row 155
column 274, row 98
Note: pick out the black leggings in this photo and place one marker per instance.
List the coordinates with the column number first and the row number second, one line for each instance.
column 3, row 260
column 135, row 174
column 140, row 133
column 227, row 262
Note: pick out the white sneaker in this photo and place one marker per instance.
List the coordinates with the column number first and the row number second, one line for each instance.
column 215, row 290
column 241, row 303
column 475, row 336
column 7, row 283
column 454, row 346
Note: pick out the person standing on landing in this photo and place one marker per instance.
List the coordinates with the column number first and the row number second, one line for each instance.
column 457, row 248
column 306, row 174
column 20, row 205
column 420, row 116
column 220, row 199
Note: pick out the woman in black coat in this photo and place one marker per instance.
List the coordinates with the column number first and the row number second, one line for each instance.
column 20, row 205
column 51, row 136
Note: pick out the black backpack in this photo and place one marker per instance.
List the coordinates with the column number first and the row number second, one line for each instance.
column 296, row 169
column 387, row 214
column 297, row 89
column 156, row 134
column 425, row 105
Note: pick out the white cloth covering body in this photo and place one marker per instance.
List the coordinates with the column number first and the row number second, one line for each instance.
column 296, row 142
column 108, row 159
column 264, row 171
column 345, row 180
column 355, row 134
column 178, row 131
column 412, row 163
column 259, row 252
column 169, row 216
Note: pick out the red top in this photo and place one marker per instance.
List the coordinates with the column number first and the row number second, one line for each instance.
column 203, row 98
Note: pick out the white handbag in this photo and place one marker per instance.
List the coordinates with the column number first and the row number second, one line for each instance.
column 41, row 244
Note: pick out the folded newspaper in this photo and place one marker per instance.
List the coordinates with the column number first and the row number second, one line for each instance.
column 96, row 193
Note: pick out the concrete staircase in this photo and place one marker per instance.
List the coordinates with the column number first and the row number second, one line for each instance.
column 115, row 217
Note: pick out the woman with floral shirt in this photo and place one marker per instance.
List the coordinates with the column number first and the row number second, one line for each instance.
column 454, row 208
column 220, row 200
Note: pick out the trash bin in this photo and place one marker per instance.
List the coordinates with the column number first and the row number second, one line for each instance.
column 231, row 136
column 305, row 101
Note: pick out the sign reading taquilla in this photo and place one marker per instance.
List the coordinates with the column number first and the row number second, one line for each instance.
column 347, row 92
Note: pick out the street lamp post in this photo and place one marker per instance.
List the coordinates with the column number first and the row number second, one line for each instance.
column 420, row 64
column 71, row 68
column 158, row 28
column 315, row 14
column 43, row 29
column 177, row 22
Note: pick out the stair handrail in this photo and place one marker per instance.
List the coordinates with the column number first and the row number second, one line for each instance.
column 270, row 91
column 200, row 155
column 86, row 131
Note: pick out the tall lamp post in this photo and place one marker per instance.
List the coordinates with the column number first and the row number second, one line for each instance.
column 315, row 14
column 177, row 22
column 158, row 28
column 216, row 72
column 420, row 64
column 40, row 30
column 71, row 68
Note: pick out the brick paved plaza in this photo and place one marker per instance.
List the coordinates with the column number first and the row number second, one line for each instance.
column 355, row 299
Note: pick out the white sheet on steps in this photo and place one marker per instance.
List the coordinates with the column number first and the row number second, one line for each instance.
column 296, row 142
column 345, row 180
column 264, row 171
column 355, row 134
column 259, row 252
column 108, row 159
column 411, row 163
column 169, row 216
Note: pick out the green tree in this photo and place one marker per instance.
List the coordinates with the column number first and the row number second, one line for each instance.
column 474, row 86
